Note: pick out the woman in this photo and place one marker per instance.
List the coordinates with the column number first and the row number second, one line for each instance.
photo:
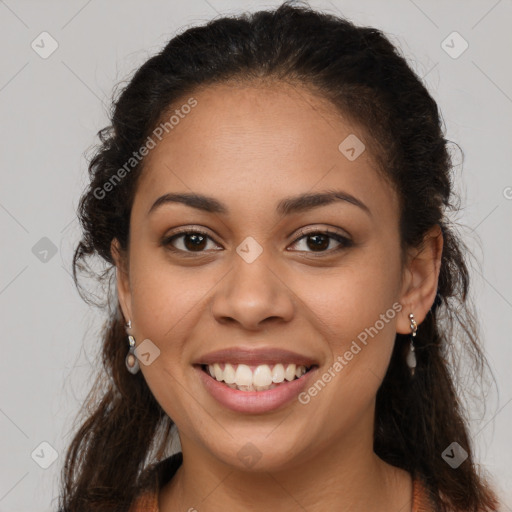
column 272, row 196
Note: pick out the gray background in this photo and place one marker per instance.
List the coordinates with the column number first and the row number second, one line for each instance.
column 51, row 109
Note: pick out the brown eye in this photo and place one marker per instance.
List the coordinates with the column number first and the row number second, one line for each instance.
column 189, row 241
column 197, row 241
column 319, row 241
column 194, row 242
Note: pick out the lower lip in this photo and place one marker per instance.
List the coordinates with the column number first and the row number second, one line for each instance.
column 255, row 401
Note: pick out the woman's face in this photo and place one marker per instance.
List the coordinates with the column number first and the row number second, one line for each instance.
column 263, row 278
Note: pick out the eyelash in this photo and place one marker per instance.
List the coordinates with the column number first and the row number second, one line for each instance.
column 342, row 240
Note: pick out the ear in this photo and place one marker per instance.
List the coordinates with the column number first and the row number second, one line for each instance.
column 122, row 279
column 420, row 279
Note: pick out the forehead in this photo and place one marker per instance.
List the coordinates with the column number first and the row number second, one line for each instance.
column 264, row 120
column 261, row 141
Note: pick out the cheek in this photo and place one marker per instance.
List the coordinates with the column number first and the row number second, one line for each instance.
column 356, row 313
column 166, row 303
column 356, row 310
column 353, row 298
column 165, row 297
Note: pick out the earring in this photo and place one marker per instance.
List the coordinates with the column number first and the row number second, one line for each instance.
column 132, row 363
column 411, row 356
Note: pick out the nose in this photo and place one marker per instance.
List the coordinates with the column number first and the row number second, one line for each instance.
column 253, row 295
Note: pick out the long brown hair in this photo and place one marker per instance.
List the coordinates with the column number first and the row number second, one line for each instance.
column 366, row 78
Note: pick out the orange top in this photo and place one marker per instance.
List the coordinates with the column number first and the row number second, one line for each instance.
column 163, row 471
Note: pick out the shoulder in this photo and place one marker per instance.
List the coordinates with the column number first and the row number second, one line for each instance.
column 150, row 482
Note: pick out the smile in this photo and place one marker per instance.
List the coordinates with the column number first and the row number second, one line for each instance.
column 254, row 377
column 248, row 397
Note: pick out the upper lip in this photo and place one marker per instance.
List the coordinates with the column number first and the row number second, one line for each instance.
column 239, row 355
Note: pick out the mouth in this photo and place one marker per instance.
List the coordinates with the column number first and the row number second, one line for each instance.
column 260, row 378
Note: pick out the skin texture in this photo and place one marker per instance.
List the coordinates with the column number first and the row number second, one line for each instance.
column 249, row 147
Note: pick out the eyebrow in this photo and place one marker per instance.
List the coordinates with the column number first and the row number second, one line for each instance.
column 287, row 206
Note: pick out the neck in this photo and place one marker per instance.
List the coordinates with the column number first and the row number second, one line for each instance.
column 343, row 477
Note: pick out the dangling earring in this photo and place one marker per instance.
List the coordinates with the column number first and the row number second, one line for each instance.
column 132, row 363
column 411, row 356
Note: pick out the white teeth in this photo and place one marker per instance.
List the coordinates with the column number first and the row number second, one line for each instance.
column 300, row 371
column 243, row 375
column 229, row 374
column 262, row 378
column 217, row 371
column 246, row 388
column 289, row 373
column 278, row 373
